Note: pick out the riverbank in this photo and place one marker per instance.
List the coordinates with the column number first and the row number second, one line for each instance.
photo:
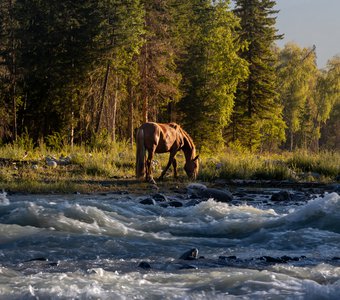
column 79, row 170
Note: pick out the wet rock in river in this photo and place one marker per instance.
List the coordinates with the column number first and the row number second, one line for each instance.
column 218, row 195
column 148, row 201
column 258, row 261
column 193, row 202
column 38, row 259
column 188, row 267
column 300, row 196
column 335, row 187
column 160, row 197
column 144, row 265
column 175, row 203
column 195, row 189
column 190, row 255
column 281, row 260
column 270, row 259
column 281, row 196
column 201, row 191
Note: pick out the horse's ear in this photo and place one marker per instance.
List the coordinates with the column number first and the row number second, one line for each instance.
column 196, row 158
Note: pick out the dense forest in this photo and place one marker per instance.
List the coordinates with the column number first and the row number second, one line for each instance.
column 71, row 71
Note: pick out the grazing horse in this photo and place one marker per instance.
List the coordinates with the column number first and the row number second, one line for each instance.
column 162, row 138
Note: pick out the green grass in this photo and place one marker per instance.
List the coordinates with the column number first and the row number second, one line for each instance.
column 297, row 166
column 25, row 169
column 324, row 163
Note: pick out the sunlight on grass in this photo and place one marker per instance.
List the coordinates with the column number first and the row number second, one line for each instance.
column 324, row 166
column 26, row 169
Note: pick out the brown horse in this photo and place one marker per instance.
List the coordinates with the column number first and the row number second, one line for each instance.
column 162, row 138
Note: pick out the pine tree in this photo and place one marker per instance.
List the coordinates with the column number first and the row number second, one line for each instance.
column 58, row 46
column 256, row 105
column 122, row 29
column 159, row 77
column 211, row 73
column 9, row 94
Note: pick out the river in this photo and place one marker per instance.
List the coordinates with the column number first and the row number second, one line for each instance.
column 110, row 246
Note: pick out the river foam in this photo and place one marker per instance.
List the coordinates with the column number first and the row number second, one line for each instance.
column 91, row 246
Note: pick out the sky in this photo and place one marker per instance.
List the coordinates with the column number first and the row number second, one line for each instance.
column 311, row 22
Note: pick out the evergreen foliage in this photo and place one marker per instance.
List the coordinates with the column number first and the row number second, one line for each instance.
column 257, row 110
column 211, row 73
column 57, row 47
column 78, row 71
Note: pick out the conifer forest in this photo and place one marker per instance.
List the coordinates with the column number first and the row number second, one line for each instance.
column 75, row 70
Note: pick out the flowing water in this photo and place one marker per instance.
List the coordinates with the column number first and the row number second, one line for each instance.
column 113, row 247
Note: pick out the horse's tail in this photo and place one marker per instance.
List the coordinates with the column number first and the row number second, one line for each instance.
column 140, row 154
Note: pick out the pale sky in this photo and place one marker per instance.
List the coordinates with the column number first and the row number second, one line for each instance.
column 311, row 22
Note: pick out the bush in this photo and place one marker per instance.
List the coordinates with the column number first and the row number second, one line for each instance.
column 24, row 142
column 101, row 141
column 56, row 141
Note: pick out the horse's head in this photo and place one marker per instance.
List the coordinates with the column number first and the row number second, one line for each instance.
column 191, row 167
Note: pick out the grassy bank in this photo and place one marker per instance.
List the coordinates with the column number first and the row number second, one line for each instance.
column 79, row 169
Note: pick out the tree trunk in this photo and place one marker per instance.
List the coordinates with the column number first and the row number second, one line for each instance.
column 72, row 129
column 145, row 86
column 114, row 113
column 130, row 99
column 291, row 140
column 13, row 71
column 103, row 96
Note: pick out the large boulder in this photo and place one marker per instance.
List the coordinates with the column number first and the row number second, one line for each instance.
column 202, row 191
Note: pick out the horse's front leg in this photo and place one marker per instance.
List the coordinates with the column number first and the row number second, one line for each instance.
column 174, row 165
column 148, row 167
column 171, row 159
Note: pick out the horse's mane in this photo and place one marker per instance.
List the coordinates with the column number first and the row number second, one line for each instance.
column 188, row 142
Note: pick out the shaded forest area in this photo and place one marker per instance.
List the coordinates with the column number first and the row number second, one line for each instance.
column 72, row 72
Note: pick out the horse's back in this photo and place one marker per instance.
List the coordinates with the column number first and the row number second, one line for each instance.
column 160, row 136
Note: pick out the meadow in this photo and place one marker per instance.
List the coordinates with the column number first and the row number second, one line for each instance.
column 102, row 166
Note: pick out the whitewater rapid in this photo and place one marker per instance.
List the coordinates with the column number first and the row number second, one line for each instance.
column 97, row 247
